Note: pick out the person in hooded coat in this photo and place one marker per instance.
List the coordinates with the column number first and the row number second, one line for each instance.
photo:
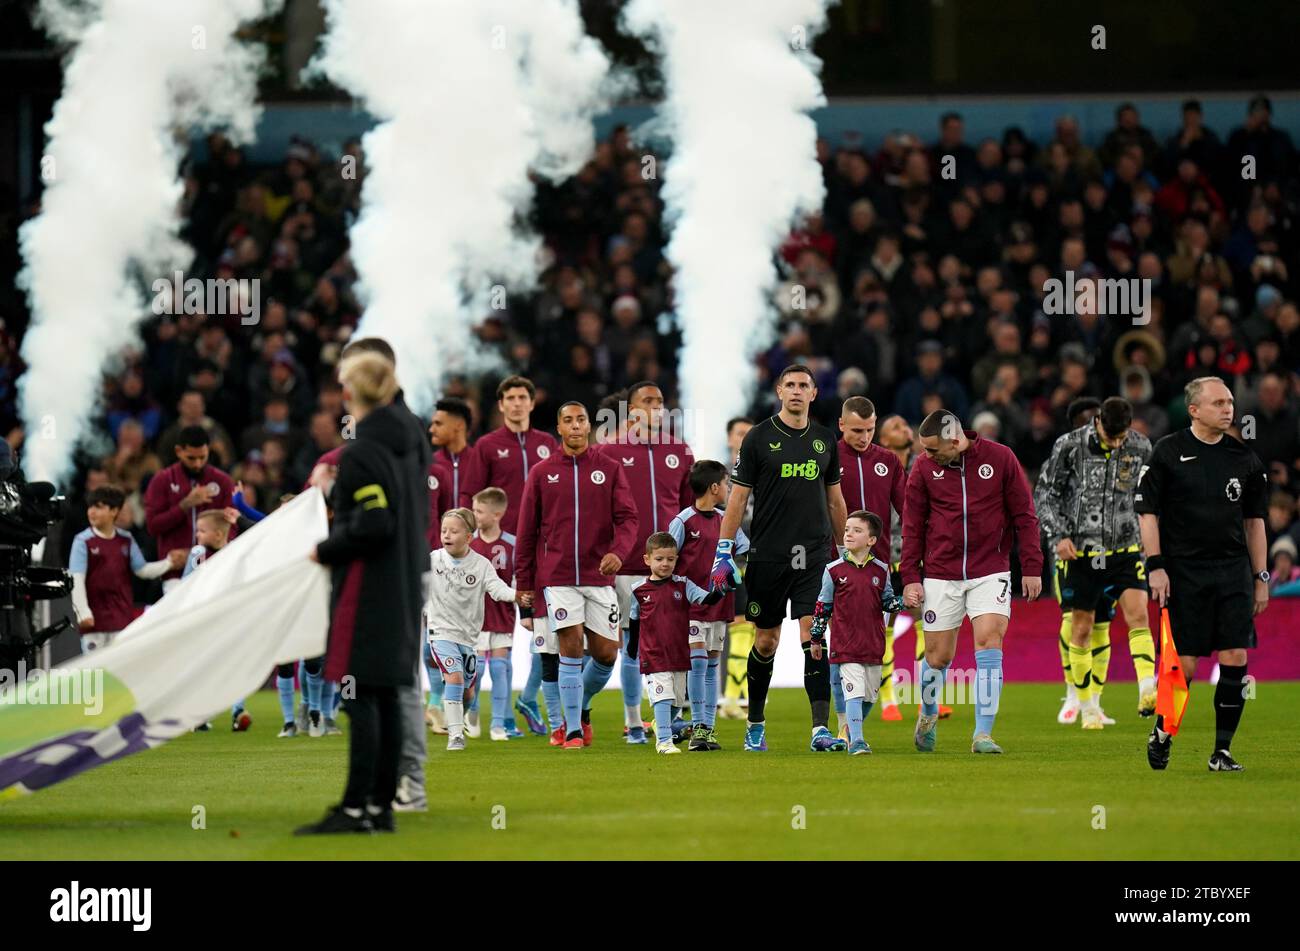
column 376, row 554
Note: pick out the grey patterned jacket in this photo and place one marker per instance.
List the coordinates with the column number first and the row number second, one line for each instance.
column 1085, row 493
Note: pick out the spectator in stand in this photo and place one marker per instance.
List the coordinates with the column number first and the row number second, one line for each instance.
column 132, row 465
column 132, row 402
column 191, row 410
column 1277, row 427
column 1001, row 401
column 1176, row 196
column 1284, row 580
column 1128, row 131
column 275, row 424
column 853, row 182
column 1255, row 253
column 282, row 376
column 812, row 235
column 811, row 294
column 952, row 153
column 930, row 379
column 277, row 478
column 1148, row 418
column 1270, row 148
column 1262, row 321
column 857, row 241
column 1082, row 159
column 1193, row 140
column 322, row 436
column 1006, row 351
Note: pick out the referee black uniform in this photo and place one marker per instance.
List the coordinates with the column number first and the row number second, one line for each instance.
column 1202, row 494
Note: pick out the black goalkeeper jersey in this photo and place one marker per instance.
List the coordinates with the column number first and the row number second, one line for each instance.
column 1202, row 493
column 788, row 471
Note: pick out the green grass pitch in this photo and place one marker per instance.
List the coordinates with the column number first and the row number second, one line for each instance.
column 613, row 801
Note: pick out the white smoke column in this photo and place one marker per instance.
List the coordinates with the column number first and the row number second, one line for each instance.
column 136, row 75
column 743, row 167
column 469, row 95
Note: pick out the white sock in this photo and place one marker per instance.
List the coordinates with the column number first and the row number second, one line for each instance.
column 455, row 716
column 1071, row 693
column 632, row 717
column 1146, row 685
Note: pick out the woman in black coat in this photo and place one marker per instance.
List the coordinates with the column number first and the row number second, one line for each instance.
column 377, row 555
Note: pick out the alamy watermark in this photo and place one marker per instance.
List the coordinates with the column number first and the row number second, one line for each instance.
column 83, row 687
column 215, row 297
column 636, row 427
column 1103, row 296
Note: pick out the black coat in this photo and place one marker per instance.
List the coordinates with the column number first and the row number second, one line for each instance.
column 377, row 550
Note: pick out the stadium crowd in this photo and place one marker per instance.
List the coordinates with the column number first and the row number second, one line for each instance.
column 922, row 291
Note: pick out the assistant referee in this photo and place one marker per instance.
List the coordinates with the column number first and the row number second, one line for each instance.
column 1201, row 503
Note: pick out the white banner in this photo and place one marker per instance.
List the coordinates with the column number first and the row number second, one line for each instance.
column 211, row 640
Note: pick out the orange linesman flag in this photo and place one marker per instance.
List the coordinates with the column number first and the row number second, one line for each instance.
column 1171, row 689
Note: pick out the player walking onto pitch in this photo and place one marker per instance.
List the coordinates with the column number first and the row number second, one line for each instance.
column 899, row 438
column 872, row 479
column 792, row 467
column 657, row 467
column 963, row 501
column 505, row 457
column 1202, row 501
column 1085, row 501
column 577, row 513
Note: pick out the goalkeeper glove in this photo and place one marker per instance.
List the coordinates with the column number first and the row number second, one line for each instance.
column 724, row 574
column 821, row 617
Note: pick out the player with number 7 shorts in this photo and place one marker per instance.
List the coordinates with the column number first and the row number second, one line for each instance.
column 964, row 499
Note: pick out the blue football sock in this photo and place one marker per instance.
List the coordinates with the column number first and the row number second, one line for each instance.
column 338, row 702
column 837, row 690
column 594, row 678
column 551, row 693
column 454, row 692
column 630, row 676
column 509, row 683
column 695, row 683
column 988, row 688
column 500, row 690
column 239, row 705
column 664, row 721
column 571, row 693
column 534, row 681
column 478, row 682
column 436, row 688
column 284, row 687
column 711, row 692
column 931, row 688
column 328, row 689
column 313, row 691
column 855, row 715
